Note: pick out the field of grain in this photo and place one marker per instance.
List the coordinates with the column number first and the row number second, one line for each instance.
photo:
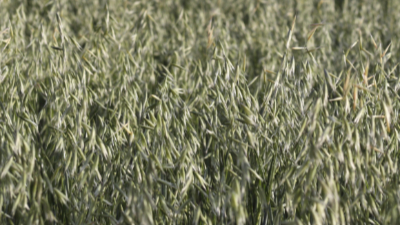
column 199, row 112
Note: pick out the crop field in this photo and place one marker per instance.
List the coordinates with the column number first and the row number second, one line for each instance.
column 199, row 112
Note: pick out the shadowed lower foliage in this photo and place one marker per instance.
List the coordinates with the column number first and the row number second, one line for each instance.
column 199, row 112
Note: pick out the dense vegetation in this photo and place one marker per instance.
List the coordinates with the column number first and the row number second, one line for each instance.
column 199, row 112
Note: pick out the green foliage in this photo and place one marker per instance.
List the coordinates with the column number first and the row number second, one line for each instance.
column 199, row 112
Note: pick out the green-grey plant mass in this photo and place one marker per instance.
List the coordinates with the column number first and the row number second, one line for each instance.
column 199, row 112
